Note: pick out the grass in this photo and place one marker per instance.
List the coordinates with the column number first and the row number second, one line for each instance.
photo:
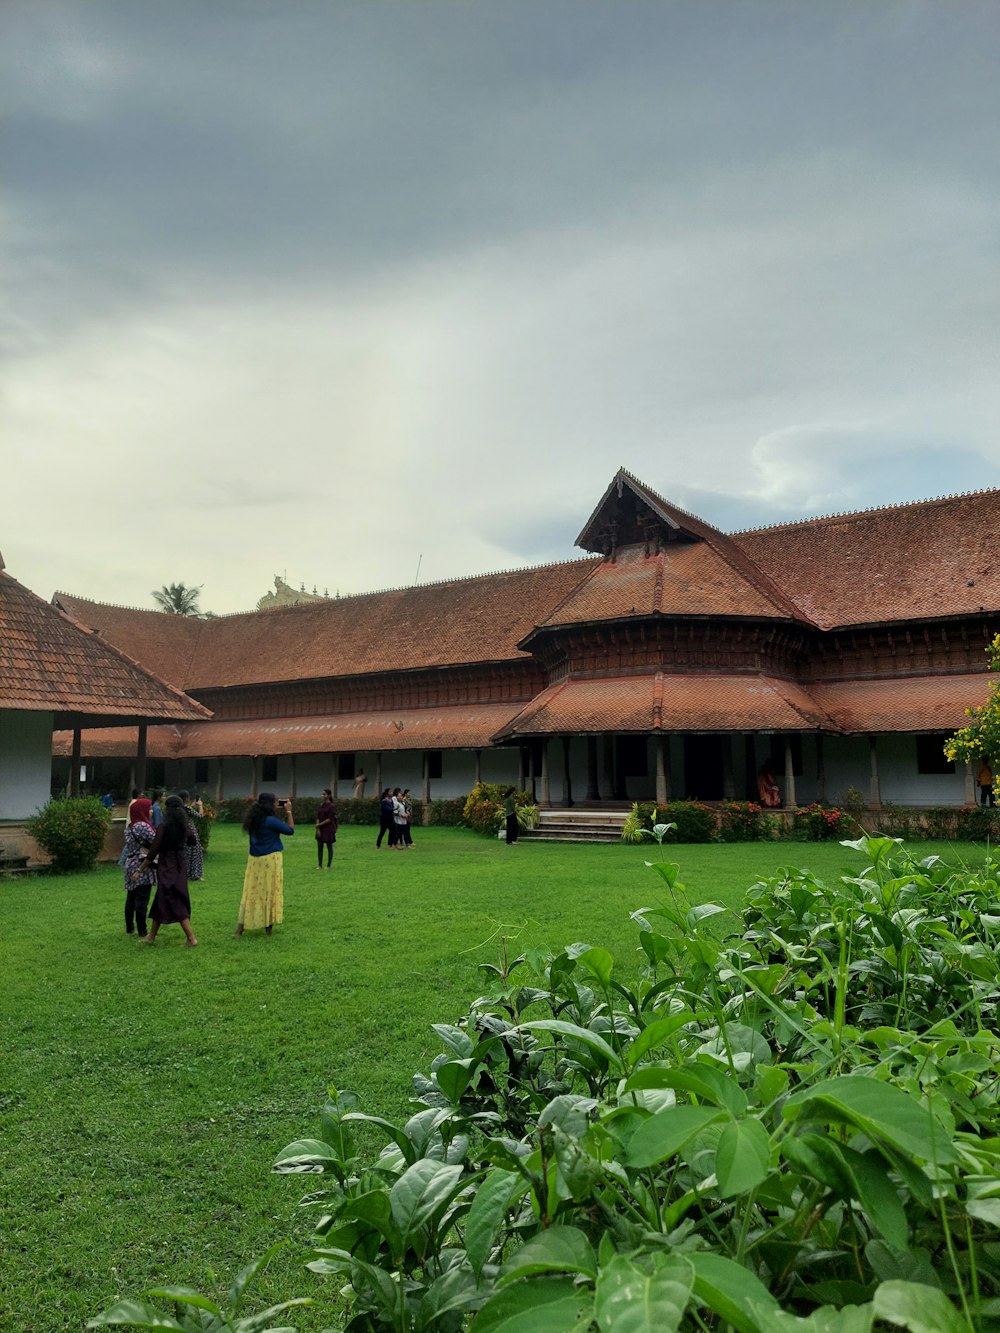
column 144, row 1092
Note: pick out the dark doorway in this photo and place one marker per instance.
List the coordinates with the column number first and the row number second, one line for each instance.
column 703, row 768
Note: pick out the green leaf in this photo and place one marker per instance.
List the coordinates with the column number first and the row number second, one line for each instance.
column 584, row 1035
column 851, row 1319
column 492, row 1199
column 247, row 1275
column 710, row 1083
column 919, row 1308
column 455, row 1289
column 665, row 1133
column 655, row 1034
column 880, row 1111
column 600, row 963
column 457, row 1040
column 545, row 1305
column 134, row 1314
column 454, row 1076
column 557, row 1249
column 185, row 1296
column 878, row 1196
column 306, row 1155
column 733, row 1293
column 421, row 1192
column 395, row 1133
column 636, row 1299
column 742, row 1157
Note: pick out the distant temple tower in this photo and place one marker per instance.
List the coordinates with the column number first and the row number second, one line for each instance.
column 285, row 595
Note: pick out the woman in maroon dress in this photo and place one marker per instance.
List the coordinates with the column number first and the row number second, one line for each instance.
column 170, row 852
column 326, row 829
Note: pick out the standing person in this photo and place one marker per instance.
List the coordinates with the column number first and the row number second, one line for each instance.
column 510, row 813
column 195, row 855
column 169, row 850
column 156, row 818
column 263, row 901
column 326, row 829
column 136, row 794
column 386, row 822
column 984, row 777
column 398, row 821
column 408, row 812
column 359, row 785
column 108, row 800
column 139, row 836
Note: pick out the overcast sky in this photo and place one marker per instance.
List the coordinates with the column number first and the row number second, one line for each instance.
column 336, row 289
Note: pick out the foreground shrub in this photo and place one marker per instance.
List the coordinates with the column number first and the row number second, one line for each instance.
column 787, row 1119
column 744, row 821
column 689, row 821
column 483, row 810
column 978, row 823
column 72, row 831
column 820, row 823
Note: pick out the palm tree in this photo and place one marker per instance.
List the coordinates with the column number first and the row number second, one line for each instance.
column 178, row 600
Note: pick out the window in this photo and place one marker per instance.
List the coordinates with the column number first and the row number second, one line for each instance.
column 345, row 767
column 269, row 768
column 777, row 758
column 433, row 763
column 201, row 771
column 930, row 754
column 633, row 757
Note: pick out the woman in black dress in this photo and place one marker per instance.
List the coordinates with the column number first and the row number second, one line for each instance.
column 169, row 850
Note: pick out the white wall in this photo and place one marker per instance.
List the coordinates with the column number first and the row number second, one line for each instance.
column 25, row 763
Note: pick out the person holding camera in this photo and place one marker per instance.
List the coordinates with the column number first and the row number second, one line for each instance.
column 262, row 904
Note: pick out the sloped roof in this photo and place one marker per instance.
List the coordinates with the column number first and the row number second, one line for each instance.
column 664, row 701
column 49, row 663
column 167, row 642
column 404, row 629
column 913, row 703
column 692, row 579
column 904, row 562
column 462, row 726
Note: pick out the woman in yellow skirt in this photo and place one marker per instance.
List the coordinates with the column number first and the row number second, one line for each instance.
column 262, row 903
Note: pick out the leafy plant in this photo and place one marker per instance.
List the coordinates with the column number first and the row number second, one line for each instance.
column 689, row 821
column 978, row 823
column 72, row 831
column 820, row 823
column 194, row 1313
column 981, row 737
column 744, row 821
column 484, row 809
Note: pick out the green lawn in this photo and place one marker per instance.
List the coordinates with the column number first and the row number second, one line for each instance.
column 145, row 1091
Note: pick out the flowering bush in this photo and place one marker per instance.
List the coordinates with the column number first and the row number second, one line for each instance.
column 484, row 808
column 744, row 821
column 820, row 823
column 692, row 821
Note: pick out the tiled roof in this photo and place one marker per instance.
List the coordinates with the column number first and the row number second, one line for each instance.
column 440, row 624
column 468, row 726
column 668, row 702
column 922, row 703
column 165, row 643
column 689, row 579
column 937, row 558
column 49, row 663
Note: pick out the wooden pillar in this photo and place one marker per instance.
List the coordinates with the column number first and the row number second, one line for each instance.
column 750, row 748
column 728, row 775
column 74, row 765
column 294, row 791
column 427, row 784
column 608, row 769
column 254, row 771
column 659, row 750
column 546, row 796
column 971, row 790
column 790, row 801
column 378, row 772
column 567, row 780
column 874, row 792
column 140, row 758
column 478, row 755
column 593, row 790
column 521, row 780
column 334, row 774
column 218, row 778
column 820, row 769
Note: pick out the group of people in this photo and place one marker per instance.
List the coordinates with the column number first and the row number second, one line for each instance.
column 162, row 855
column 395, row 818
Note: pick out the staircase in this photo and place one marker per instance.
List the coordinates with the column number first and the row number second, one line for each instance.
column 579, row 824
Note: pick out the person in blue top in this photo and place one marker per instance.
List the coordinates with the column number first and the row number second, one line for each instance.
column 262, row 903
